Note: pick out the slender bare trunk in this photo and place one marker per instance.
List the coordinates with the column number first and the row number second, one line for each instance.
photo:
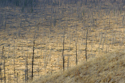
column 63, row 57
column 33, row 58
column 86, row 44
column 4, row 64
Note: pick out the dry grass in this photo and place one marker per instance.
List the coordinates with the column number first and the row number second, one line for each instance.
column 48, row 50
column 108, row 68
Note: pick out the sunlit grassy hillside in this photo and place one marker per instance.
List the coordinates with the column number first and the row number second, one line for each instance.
column 108, row 68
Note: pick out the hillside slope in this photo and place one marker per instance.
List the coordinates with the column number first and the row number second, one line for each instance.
column 108, row 68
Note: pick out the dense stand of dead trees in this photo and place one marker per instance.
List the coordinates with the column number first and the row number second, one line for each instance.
column 63, row 56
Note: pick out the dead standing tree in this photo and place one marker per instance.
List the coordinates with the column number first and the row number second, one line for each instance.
column 34, row 38
column 86, row 44
column 3, row 56
column 26, row 68
column 0, row 73
column 33, row 58
column 76, row 46
column 63, row 57
column 1, row 67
